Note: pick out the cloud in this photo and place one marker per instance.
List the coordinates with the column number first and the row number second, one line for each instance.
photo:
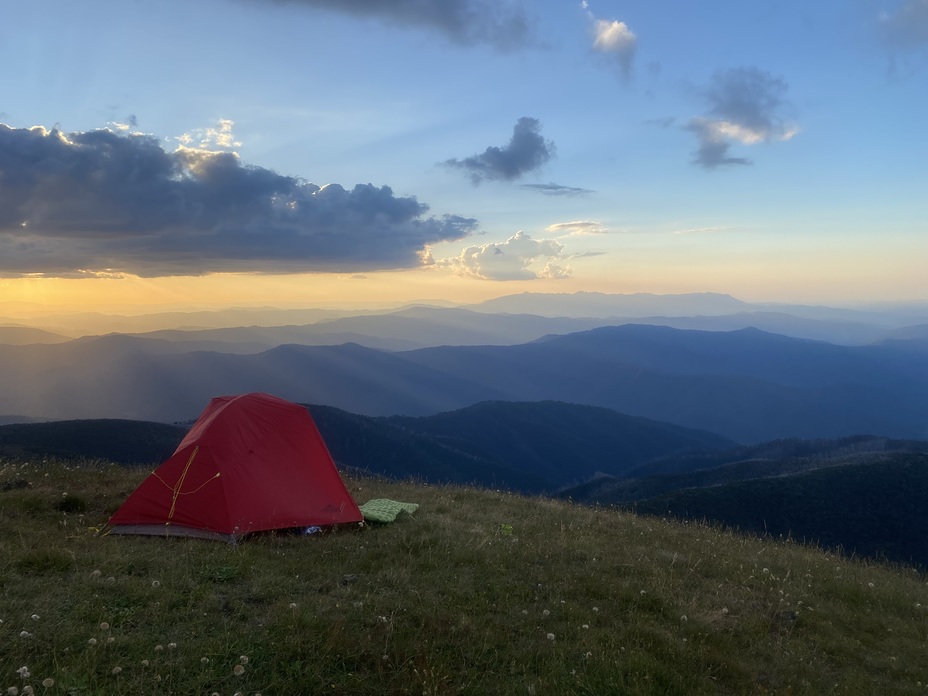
column 705, row 230
column 906, row 29
column 663, row 122
column 502, row 24
column 112, row 202
column 744, row 107
column 614, row 40
column 577, row 228
column 557, row 189
column 510, row 260
column 526, row 151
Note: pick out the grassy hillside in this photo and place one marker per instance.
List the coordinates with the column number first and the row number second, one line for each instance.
column 479, row 593
column 875, row 509
column 115, row 440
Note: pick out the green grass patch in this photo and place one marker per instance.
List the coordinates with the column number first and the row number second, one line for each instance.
column 478, row 593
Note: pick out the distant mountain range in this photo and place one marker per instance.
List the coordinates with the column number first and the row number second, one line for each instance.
column 747, row 385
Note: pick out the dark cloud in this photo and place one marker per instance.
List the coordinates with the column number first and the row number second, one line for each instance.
column 906, row 29
column 502, row 24
column 526, row 151
column 713, row 145
column 103, row 202
column 744, row 106
column 557, row 190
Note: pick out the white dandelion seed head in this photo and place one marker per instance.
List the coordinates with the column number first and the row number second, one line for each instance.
column 104, row 626
column 35, row 617
column 204, row 660
column 25, row 634
column 117, row 670
column 48, row 682
column 171, row 646
column 238, row 670
column 545, row 612
column 550, row 636
column 292, row 605
column 23, row 672
column 92, row 641
column 243, row 659
column 13, row 691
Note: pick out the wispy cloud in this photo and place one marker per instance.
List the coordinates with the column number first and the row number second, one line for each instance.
column 502, row 24
column 109, row 201
column 906, row 28
column 527, row 151
column 511, row 260
column 552, row 189
column 577, row 228
column 744, row 106
column 705, row 230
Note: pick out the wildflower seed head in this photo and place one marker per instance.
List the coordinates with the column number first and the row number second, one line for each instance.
column 13, row 691
column 25, row 634
column 550, row 636
column 243, row 659
column 159, row 648
column 23, row 672
column 117, row 670
column 171, row 646
column 111, row 640
column 204, row 660
column 104, row 626
column 293, row 605
column 92, row 641
column 238, row 670
column 36, row 617
column 545, row 612
column 155, row 583
column 48, row 682
column 145, row 663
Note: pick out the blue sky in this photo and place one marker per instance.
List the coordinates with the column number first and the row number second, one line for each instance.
column 772, row 150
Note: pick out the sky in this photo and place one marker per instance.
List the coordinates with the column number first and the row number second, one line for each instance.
column 168, row 154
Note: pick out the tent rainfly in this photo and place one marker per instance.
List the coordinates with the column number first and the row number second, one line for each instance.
column 250, row 463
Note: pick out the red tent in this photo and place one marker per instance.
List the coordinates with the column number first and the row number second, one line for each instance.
column 250, row 463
